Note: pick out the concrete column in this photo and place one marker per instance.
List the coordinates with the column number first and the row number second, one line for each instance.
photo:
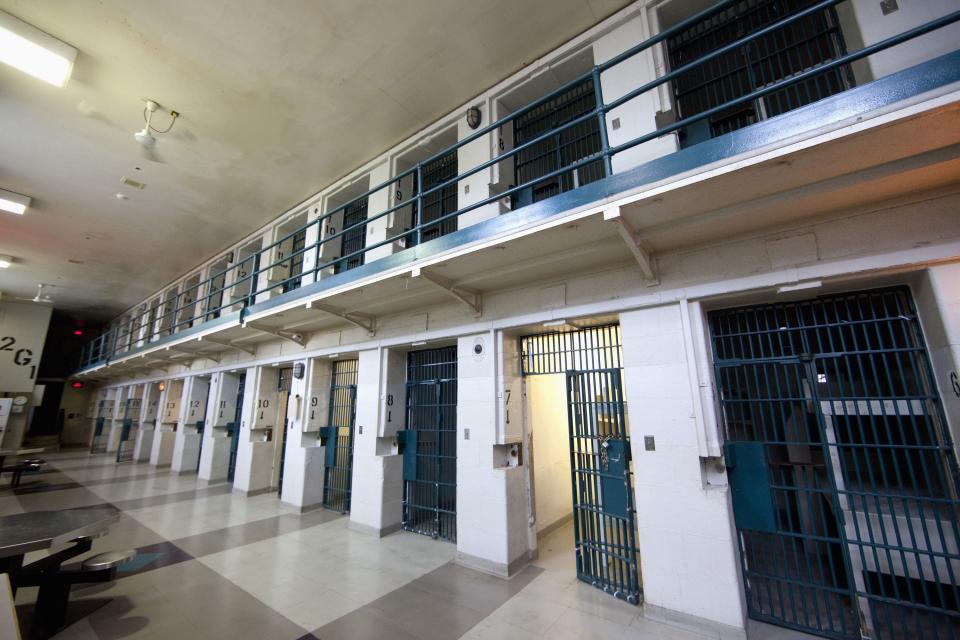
column 377, row 500
column 492, row 508
column 303, row 468
column 259, row 429
column 115, row 423
column 148, row 422
column 377, row 203
column 938, row 304
column 687, row 542
column 193, row 409
column 161, row 454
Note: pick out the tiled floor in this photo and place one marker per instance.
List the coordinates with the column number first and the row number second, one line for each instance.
column 214, row 564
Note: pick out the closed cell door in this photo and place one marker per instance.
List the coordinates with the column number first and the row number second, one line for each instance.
column 338, row 464
column 430, row 444
column 842, row 473
column 233, row 429
column 284, row 381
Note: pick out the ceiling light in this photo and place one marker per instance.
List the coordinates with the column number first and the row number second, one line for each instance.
column 555, row 323
column 5, row 261
column 13, row 202
column 32, row 51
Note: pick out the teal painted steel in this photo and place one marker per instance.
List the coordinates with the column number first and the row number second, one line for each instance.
column 341, row 418
column 233, row 429
column 839, row 395
column 797, row 58
column 750, row 493
column 603, row 513
column 430, row 496
column 284, row 381
column 408, row 440
column 98, row 444
column 604, row 517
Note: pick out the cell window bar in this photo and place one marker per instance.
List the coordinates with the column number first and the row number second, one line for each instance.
column 430, row 450
column 338, row 470
column 584, row 349
column 843, row 474
column 437, row 203
column 354, row 237
column 294, row 265
column 781, row 54
column 567, row 146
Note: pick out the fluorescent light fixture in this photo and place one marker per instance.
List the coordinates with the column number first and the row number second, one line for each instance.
column 800, row 286
column 6, row 261
column 418, row 343
column 32, row 51
column 555, row 323
column 13, row 202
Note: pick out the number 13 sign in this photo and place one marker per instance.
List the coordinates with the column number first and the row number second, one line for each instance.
column 23, row 329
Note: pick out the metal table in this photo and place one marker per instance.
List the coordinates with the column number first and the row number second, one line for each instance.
column 38, row 530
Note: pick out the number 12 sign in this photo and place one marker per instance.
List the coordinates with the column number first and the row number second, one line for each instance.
column 23, row 330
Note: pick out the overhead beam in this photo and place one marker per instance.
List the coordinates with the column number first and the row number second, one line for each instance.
column 292, row 336
column 229, row 343
column 631, row 238
column 361, row 320
column 470, row 297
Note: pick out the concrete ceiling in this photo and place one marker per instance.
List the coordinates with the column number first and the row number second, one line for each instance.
column 278, row 99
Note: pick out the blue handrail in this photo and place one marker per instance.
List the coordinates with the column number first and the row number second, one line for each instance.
column 241, row 285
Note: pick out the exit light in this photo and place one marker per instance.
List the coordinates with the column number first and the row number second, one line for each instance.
column 77, row 385
column 78, row 332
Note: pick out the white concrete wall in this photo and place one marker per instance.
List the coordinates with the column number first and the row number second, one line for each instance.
column 550, row 433
column 377, row 499
column 686, row 535
column 937, row 297
column 874, row 27
column 221, row 409
column 303, row 467
column 193, row 409
column 491, row 504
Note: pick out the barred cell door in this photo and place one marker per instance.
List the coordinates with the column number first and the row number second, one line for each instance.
column 338, row 472
column 430, row 444
column 233, row 429
column 842, row 472
column 603, row 513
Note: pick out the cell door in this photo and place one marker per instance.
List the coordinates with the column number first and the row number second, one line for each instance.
column 603, row 512
column 354, row 236
column 233, row 429
column 842, row 473
column 125, row 453
column 430, row 444
column 284, row 381
column 338, row 471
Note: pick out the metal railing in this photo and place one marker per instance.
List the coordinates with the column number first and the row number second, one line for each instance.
column 267, row 273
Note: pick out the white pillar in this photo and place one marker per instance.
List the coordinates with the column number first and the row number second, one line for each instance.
column 376, row 505
column 186, row 446
column 258, row 430
column 938, row 304
column 492, row 520
column 303, row 468
column 161, row 454
column 148, row 422
column 688, row 550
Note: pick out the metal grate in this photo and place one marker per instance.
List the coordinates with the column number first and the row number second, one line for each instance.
column 343, row 412
column 233, row 429
column 567, row 146
column 430, row 499
column 438, row 203
column 577, row 349
column 125, row 445
column 295, row 263
column 843, row 476
column 353, row 240
column 785, row 52
column 284, row 382
column 602, row 481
